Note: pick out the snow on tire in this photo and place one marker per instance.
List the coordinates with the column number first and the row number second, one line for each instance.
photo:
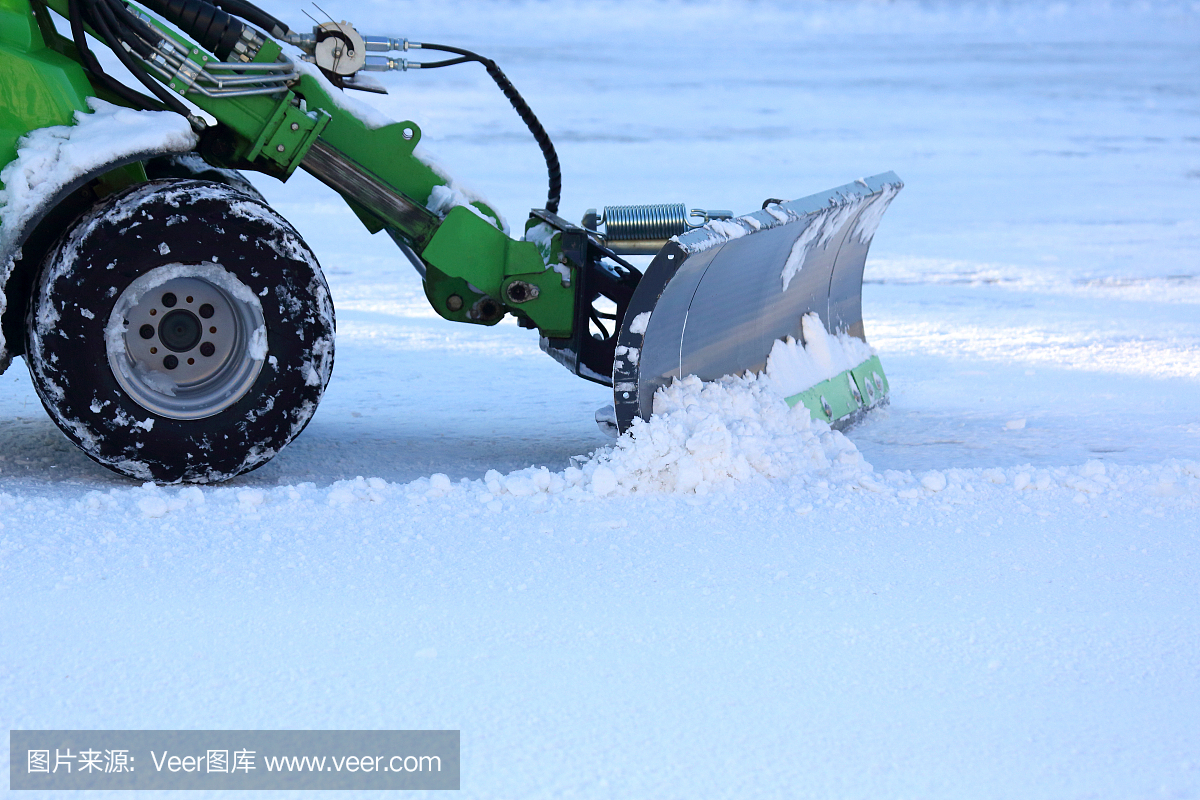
column 180, row 331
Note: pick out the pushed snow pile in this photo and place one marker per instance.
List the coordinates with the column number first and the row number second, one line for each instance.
column 795, row 367
column 703, row 436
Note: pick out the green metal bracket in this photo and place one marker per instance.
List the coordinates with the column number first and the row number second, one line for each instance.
column 456, row 300
column 467, row 247
column 288, row 134
column 552, row 310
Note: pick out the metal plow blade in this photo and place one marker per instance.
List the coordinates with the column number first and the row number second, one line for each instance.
column 715, row 300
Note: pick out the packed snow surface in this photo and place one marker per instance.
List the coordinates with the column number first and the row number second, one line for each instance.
column 986, row 590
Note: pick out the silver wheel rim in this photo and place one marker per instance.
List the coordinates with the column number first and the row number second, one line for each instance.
column 186, row 342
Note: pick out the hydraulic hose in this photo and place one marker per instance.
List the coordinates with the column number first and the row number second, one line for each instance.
column 553, row 168
column 215, row 30
column 75, row 16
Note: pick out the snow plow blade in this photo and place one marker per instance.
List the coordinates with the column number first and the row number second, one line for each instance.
column 716, row 300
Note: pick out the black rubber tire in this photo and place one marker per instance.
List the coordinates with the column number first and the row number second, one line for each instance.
column 130, row 234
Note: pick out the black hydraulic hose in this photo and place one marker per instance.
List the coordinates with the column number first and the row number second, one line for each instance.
column 215, row 30
column 522, row 108
column 128, row 28
column 255, row 16
column 101, row 24
column 92, row 65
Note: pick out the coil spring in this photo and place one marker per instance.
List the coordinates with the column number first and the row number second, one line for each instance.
column 661, row 221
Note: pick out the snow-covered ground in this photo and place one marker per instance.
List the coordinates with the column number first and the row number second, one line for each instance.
column 988, row 589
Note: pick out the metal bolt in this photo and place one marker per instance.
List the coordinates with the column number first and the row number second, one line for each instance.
column 280, row 148
column 454, row 303
column 295, row 126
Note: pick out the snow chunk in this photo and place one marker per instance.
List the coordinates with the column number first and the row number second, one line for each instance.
column 604, row 481
column 153, row 506
column 444, row 198
column 49, row 159
column 257, row 348
column 251, row 497
column 934, row 481
column 639, row 323
column 795, row 367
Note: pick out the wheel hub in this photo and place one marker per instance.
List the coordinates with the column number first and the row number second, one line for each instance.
column 180, row 331
column 186, row 348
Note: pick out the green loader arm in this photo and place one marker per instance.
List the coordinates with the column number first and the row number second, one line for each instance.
column 472, row 271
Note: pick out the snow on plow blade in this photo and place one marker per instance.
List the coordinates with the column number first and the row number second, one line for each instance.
column 716, row 300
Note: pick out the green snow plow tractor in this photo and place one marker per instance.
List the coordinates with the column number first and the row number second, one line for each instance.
column 177, row 329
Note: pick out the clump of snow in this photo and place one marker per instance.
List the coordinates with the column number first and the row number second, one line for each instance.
column 795, row 367
column 257, row 348
column 444, row 198
column 49, row 159
column 934, row 480
column 639, row 323
column 150, row 500
column 541, row 235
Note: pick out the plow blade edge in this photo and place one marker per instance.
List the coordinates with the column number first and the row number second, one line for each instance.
column 715, row 300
